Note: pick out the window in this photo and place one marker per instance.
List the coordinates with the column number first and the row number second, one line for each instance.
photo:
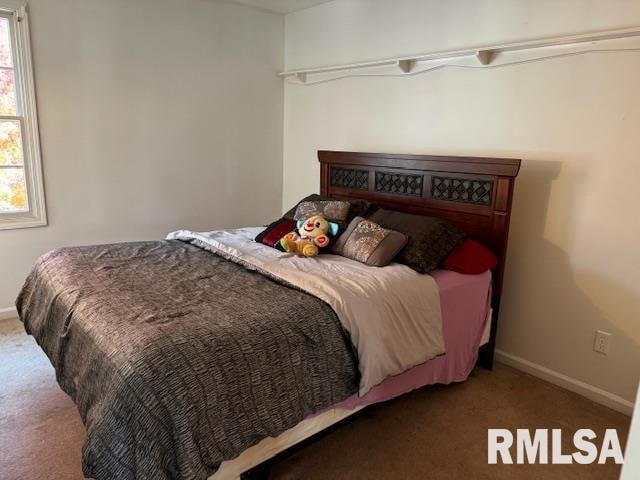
column 21, row 190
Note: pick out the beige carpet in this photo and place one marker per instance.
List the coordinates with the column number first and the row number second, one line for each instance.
column 434, row 433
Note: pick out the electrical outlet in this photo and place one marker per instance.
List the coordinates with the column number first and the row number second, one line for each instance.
column 601, row 343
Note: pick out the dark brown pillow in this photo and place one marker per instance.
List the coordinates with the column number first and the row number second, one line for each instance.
column 369, row 243
column 430, row 239
column 358, row 208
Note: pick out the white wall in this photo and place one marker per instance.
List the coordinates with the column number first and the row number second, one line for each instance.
column 574, row 261
column 631, row 467
column 154, row 115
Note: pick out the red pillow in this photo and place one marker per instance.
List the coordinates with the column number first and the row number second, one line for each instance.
column 470, row 257
column 273, row 233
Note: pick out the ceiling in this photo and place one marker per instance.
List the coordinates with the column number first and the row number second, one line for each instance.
column 282, row 6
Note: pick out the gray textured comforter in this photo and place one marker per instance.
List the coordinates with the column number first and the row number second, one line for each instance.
column 178, row 359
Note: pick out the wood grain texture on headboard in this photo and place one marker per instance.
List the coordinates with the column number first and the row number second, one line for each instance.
column 473, row 193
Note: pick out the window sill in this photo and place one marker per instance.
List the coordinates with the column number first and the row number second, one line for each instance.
column 26, row 220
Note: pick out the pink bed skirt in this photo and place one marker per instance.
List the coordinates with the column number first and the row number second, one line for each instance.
column 465, row 303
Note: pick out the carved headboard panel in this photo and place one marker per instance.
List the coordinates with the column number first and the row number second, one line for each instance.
column 473, row 193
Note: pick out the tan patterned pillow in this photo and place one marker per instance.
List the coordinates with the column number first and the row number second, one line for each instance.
column 369, row 243
column 358, row 207
column 333, row 210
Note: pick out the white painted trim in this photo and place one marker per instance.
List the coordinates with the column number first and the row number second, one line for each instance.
column 591, row 392
column 7, row 313
column 28, row 116
column 631, row 467
column 11, row 6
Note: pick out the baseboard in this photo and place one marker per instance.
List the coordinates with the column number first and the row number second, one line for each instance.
column 9, row 312
column 596, row 394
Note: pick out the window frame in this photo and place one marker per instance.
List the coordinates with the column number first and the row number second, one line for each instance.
column 26, row 114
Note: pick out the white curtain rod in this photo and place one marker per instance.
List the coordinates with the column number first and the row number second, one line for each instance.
column 483, row 54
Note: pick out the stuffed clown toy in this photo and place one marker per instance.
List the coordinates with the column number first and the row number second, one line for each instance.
column 312, row 235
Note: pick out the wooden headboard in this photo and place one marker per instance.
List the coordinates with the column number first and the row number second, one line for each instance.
column 470, row 192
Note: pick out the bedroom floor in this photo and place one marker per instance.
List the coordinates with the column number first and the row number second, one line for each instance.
column 440, row 431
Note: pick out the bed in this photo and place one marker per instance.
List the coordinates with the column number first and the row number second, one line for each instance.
column 186, row 364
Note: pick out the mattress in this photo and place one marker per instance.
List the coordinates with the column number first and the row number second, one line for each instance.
column 465, row 301
column 392, row 315
column 171, row 355
column 466, row 317
column 179, row 359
